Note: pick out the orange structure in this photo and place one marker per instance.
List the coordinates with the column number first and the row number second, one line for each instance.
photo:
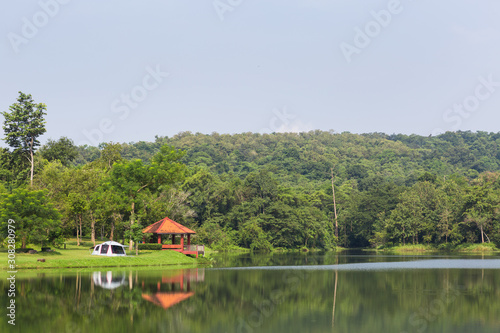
column 174, row 289
column 167, row 226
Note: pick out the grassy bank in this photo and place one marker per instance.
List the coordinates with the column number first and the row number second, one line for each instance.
column 79, row 257
column 413, row 248
column 481, row 248
column 422, row 248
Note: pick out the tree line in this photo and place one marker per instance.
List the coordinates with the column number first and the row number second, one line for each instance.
column 259, row 191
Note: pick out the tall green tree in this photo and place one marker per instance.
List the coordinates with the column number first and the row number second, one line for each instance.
column 482, row 203
column 63, row 150
column 23, row 125
column 36, row 217
column 77, row 206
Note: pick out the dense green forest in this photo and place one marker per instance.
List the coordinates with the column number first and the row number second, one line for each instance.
column 265, row 191
column 260, row 191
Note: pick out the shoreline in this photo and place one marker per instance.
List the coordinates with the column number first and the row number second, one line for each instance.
column 489, row 248
column 78, row 258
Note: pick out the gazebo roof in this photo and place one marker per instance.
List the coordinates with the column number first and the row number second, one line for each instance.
column 167, row 226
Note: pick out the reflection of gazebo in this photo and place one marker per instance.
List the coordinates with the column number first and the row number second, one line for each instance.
column 171, row 290
column 170, row 227
column 166, row 300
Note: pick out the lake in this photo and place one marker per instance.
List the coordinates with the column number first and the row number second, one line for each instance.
column 348, row 292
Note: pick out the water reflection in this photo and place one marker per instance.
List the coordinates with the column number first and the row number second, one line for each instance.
column 173, row 289
column 440, row 298
column 108, row 281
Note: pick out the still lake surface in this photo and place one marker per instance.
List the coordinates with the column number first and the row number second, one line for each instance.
column 348, row 292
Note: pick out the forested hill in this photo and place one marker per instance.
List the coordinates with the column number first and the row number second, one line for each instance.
column 306, row 157
column 267, row 191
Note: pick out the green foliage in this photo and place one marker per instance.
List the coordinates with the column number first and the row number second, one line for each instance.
column 134, row 232
column 150, row 246
column 213, row 235
column 24, row 124
column 63, row 150
column 274, row 191
column 253, row 237
column 486, row 247
column 36, row 219
column 22, row 127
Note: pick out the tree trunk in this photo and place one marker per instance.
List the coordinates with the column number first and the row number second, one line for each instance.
column 132, row 216
column 482, row 234
column 77, row 231
column 92, row 228
column 80, row 225
column 404, row 236
column 335, row 208
column 23, row 242
column 446, row 233
column 32, row 163
column 112, row 235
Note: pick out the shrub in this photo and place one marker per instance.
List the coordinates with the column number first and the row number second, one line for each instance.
column 26, row 250
column 149, row 246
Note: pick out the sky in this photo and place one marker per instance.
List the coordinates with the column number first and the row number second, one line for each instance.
column 127, row 71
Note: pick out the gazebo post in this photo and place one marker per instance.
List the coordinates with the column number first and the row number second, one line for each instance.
column 159, row 238
column 189, row 239
column 182, row 242
column 173, row 239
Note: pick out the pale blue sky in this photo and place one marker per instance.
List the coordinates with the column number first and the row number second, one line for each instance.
column 252, row 66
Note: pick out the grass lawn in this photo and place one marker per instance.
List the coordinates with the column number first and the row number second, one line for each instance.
column 79, row 257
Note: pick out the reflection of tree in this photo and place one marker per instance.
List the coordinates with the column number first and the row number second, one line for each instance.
column 335, row 294
column 363, row 301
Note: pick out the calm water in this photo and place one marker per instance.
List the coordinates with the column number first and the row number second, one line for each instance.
column 277, row 293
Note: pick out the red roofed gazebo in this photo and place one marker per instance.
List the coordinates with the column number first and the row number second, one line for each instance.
column 167, row 226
